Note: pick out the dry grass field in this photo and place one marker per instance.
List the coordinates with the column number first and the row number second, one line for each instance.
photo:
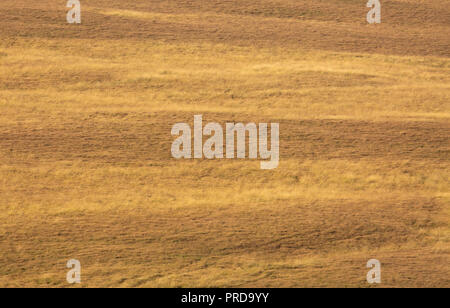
column 86, row 170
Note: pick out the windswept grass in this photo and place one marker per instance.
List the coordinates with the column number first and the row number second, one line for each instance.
column 86, row 170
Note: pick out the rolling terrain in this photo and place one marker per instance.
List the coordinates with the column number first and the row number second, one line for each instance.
column 86, row 170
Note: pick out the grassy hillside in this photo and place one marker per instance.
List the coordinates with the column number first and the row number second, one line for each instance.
column 86, row 171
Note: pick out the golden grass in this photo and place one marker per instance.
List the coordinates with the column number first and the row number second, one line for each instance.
column 212, row 78
column 86, row 171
